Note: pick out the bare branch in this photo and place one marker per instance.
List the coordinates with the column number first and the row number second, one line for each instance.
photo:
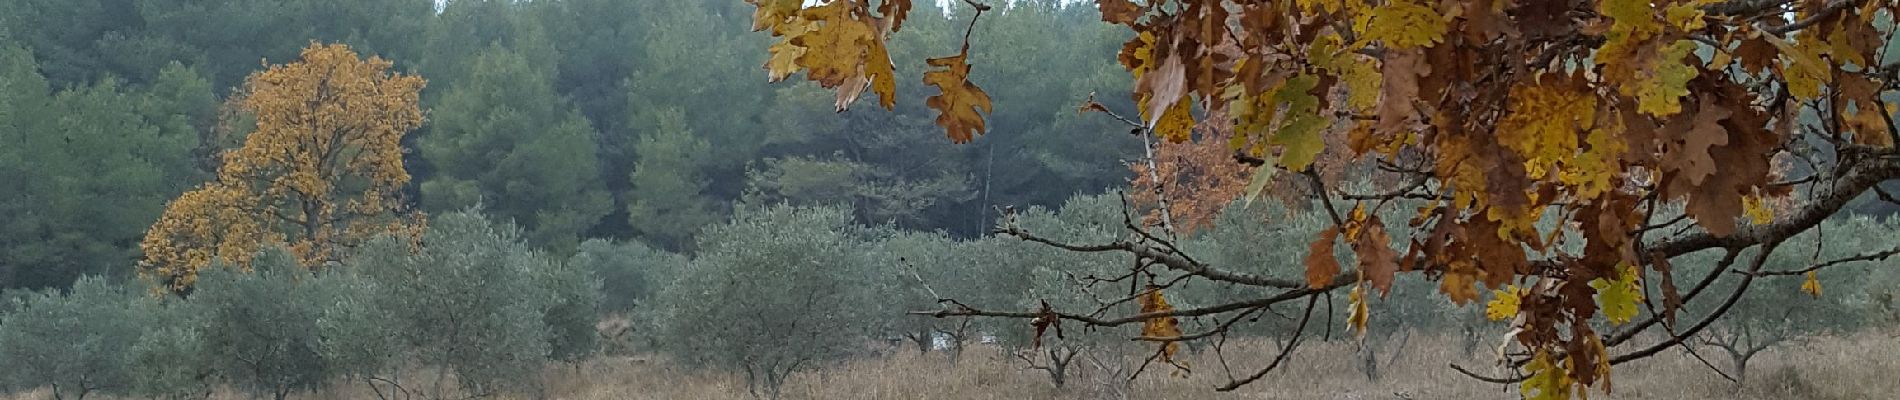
column 1868, row 256
column 1761, row 257
column 1474, row 375
column 1815, row 16
column 1338, row 281
column 1173, row 260
column 1292, row 343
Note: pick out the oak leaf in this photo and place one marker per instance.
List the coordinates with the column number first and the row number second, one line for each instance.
column 1177, row 123
column 1503, row 304
column 1812, row 286
column 1163, row 327
column 1549, row 380
column 1618, row 296
column 1403, row 24
column 1376, row 258
column 1300, row 126
column 958, row 100
column 895, row 11
column 1123, row 12
column 1321, row 264
column 1361, row 312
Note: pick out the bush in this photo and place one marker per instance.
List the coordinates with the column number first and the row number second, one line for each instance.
column 78, row 343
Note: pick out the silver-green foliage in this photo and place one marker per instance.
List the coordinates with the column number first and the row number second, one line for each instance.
column 76, row 343
column 260, row 327
column 469, row 301
column 775, row 291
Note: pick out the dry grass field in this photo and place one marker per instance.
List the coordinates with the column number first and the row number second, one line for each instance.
column 1856, row 367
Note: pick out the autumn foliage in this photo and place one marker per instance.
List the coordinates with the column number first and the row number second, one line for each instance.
column 321, row 172
column 1494, row 115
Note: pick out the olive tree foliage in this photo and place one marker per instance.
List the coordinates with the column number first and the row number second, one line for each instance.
column 773, row 292
column 260, row 328
column 77, row 343
column 170, row 361
column 477, row 302
column 911, row 267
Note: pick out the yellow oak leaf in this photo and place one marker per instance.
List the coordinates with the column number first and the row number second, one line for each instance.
column 1803, row 69
column 1812, row 286
column 1164, row 327
column 1403, row 24
column 1177, row 123
column 1312, row 6
column 1618, row 297
column 1660, row 91
column 836, row 47
column 1503, row 304
column 1549, row 380
column 1361, row 312
column 784, row 55
column 772, row 13
column 1362, row 78
column 883, row 76
column 1544, row 121
column 1686, row 16
column 1301, row 126
column 1595, row 171
column 958, row 100
column 1757, row 210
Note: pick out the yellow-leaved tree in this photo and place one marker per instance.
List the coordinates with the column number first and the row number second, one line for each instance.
column 321, row 172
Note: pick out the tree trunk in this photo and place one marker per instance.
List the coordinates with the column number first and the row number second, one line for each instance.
column 1369, row 361
column 1059, row 366
column 921, row 340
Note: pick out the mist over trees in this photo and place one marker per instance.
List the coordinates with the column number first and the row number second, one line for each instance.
column 413, row 199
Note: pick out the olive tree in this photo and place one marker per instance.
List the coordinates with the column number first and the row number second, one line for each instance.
column 260, row 327
column 775, row 291
column 1068, row 279
column 77, row 343
column 170, row 360
column 468, row 302
column 917, row 269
